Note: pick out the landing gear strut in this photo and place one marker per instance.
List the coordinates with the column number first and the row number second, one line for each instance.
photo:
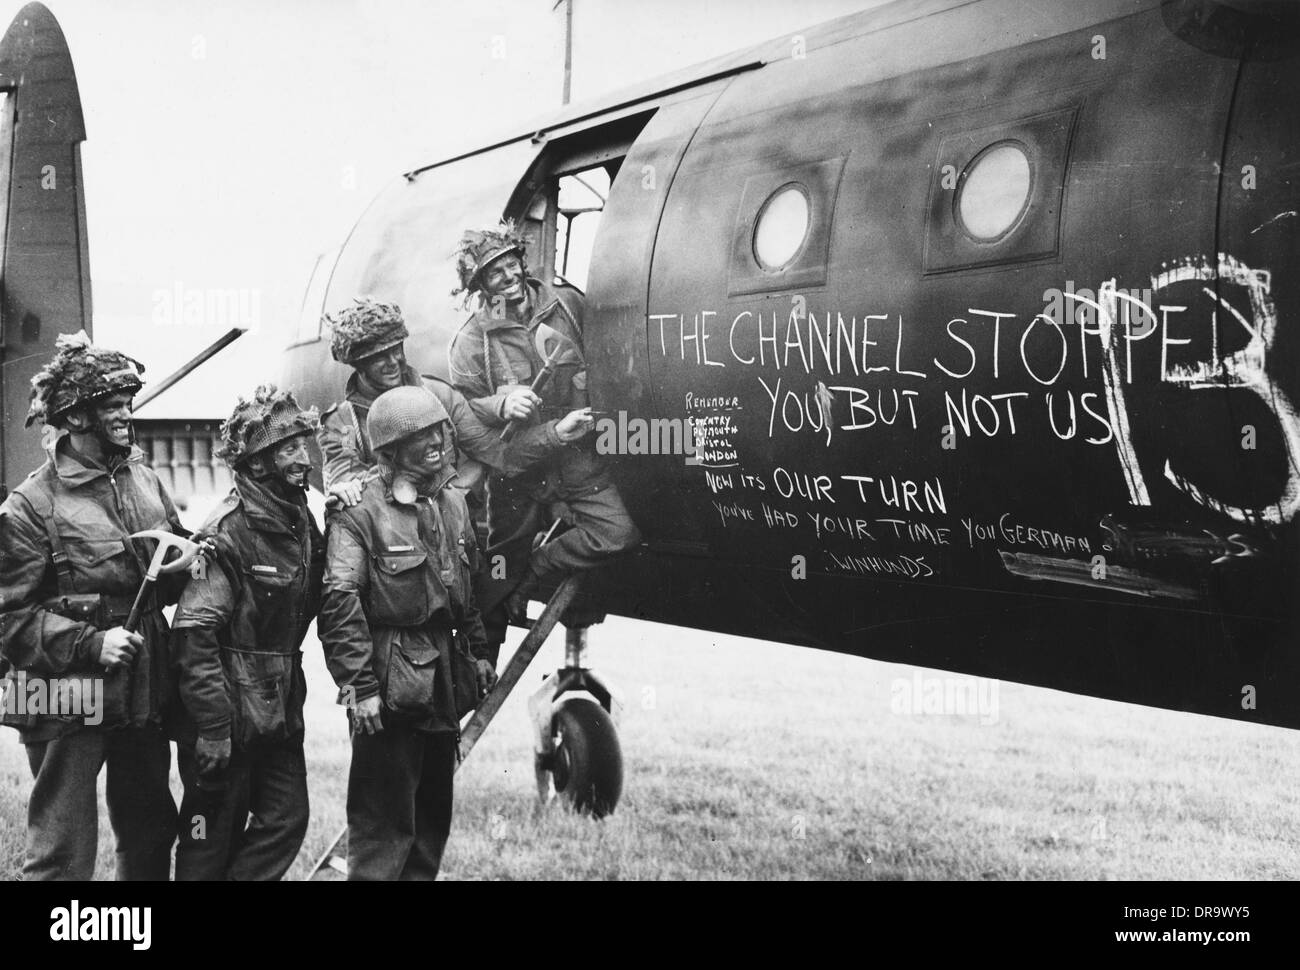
column 575, row 716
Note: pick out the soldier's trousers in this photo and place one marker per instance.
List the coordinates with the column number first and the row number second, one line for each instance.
column 63, row 814
column 252, row 827
column 600, row 528
column 399, row 803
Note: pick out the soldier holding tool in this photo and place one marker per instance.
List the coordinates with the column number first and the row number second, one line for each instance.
column 236, row 639
column 519, row 359
column 69, row 575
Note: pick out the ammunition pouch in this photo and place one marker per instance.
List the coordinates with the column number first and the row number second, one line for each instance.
column 103, row 611
column 100, row 610
column 82, row 607
column 267, row 691
column 406, row 661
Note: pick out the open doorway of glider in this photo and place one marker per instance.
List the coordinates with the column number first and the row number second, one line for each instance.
column 558, row 205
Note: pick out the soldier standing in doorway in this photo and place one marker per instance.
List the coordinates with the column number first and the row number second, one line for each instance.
column 519, row 324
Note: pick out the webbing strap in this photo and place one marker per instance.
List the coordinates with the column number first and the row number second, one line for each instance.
column 347, row 411
column 488, row 346
column 43, row 505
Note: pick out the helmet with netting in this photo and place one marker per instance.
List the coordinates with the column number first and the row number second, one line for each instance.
column 364, row 329
column 478, row 248
column 78, row 374
column 269, row 417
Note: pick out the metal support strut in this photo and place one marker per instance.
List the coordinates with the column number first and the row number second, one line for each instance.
column 541, row 629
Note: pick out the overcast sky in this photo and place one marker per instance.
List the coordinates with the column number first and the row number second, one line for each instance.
column 229, row 142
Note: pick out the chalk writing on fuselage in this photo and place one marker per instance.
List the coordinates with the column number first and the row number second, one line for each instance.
column 808, row 356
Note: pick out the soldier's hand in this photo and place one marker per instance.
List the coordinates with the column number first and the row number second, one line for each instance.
column 347, row 493
column 520, row 404
column 487, row 676
column 119, row 647
column 365, row 717
column 212, row 755
column 575, row 424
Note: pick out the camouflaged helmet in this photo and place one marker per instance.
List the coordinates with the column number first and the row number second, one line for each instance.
column 269, row 418
column 403, row 411
column 80, row 373
column 364, row 329
column 478, row 248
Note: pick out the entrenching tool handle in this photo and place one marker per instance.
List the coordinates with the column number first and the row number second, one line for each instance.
column 539, row 384
column 133, row 617
column 158, row 564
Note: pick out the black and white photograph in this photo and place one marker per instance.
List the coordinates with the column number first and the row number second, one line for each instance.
column 569, row 440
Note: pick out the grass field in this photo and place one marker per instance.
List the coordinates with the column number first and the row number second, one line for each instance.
column 753, row 760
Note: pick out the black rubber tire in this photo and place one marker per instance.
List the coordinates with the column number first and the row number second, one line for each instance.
column 587, row 768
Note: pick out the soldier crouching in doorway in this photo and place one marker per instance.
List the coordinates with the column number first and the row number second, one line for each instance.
column 69, row 575
column 494, row 360
column 236, row 641
column 398, row 604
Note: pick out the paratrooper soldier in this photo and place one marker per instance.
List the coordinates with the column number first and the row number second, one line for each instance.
column 236, row 639
column 69, row 575
column 400, row 630
column 493, row 361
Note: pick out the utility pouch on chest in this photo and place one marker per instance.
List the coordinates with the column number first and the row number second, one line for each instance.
column 398, row 587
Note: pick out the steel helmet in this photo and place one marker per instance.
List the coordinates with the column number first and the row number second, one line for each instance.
column 403, row 411
column 80, row 373
column 269, row 418
column 479, row 248
column 364, row 329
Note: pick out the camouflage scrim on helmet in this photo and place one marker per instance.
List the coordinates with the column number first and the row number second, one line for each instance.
column 269, row 418
column 366, row 328
column 477, row 248
column 80, row 373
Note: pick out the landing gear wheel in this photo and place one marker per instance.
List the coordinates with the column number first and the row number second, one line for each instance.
column 587, row 766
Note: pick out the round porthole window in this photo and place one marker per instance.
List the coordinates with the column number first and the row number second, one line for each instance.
column 994, row 191
column 781, row 227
